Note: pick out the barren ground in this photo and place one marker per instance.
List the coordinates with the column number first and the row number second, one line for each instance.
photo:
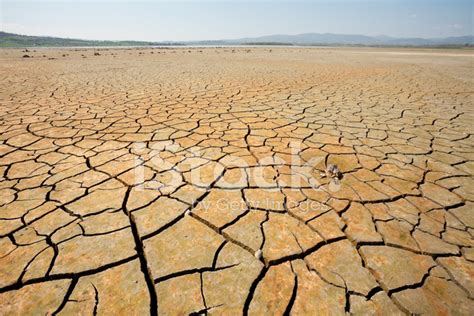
column 189, row 180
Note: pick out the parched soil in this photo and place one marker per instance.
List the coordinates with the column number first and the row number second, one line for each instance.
column 192, row 180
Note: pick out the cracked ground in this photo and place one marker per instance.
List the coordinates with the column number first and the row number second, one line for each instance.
column 191, row 181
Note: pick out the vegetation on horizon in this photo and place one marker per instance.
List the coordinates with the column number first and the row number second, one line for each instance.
column 15, row 40
column 9, row 40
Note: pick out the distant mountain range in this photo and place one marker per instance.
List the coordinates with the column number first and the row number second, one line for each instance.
column 307, row 39
column 16, row 40
column 350, row 39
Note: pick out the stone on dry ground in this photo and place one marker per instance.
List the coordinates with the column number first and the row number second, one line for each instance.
column 179, row 181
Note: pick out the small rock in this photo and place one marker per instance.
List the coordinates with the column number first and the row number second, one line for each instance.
column 258, row 254
column 332, row 171
column 187, row 213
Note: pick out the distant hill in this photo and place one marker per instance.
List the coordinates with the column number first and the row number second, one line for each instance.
column 15, row 40
column 351, row 39
column 307, row 39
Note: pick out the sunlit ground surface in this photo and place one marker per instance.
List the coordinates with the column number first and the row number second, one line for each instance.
column 193, row 180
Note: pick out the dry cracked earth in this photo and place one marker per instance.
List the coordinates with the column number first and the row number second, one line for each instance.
column 190, row 181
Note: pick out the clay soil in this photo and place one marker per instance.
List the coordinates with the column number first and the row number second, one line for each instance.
column 192, row 180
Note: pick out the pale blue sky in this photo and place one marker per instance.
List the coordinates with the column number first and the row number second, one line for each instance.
column 225, row 19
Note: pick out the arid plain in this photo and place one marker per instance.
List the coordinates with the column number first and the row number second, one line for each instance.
column 192, row 180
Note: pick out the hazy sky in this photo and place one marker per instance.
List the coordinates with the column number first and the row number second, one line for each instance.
column 225, row 19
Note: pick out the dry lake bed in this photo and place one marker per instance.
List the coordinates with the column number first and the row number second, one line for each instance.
column 195, row 181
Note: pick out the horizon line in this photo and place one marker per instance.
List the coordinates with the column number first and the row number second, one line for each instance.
column 240, row 38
